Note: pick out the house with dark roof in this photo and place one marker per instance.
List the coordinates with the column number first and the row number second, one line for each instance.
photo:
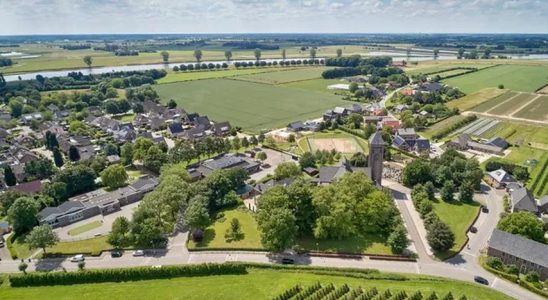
column 224, row 162
column 222, row 128
column 513, row 249
column 430, row 87
column 497, row 142
column 464, row 142
column 30, row 187
column 195, row 133
column 202, row 121
column 261, row 188
column 499, row 178
column 406, row 139
column 175, row 130
column 523, row 200
column 543, row 204
column 328, row 174
column 296, row 126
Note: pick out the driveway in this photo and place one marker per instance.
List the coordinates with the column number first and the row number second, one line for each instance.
column 273, row 158
column 125, row 211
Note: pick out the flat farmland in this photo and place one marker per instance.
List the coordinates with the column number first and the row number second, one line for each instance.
column 475, row 99
column 523, row 78
column 319, row 85
column 536, row 110
column 441, row 125
column 497, row 100
column 518, row 133
column 197, row 75
column 283, row 76
column 509, row 106
column 252, row 106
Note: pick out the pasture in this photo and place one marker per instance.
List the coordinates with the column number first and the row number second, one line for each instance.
column 523, row 78
column 317, row 85
column 494, row 101
column 475, row 99
column 197, row 75
column 252, row 106
column 284, row 76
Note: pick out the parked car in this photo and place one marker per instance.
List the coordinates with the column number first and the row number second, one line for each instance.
column 484, row 209
column 288, row 261
column 77, row 258
column 481, row 280
column 116, row 254
column 473, row 229
column 265, row 166
column 138, row 253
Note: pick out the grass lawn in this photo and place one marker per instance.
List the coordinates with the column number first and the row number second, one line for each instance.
column 363, row 243
column 256, row 284
column 94, row 246
column 86, row 227
column 319, row 85
column 125, row 118
column 22, row 248
column 252, row 106
column 524, row 78
column 197, row 75
column 134, row 174
column 306, row 142
column 469, row 101
column 214, row 235
column 458, row 216
column 285, row 76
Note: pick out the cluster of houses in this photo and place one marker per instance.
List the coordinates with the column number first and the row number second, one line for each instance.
column 423, row 87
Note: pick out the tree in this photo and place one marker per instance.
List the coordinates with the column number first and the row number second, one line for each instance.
column 198, row 55
column 436, row 53
column 197, row 214
column 466, row 192
column 261, row 138
column 78, row 179
column 339, row 52
column 278, row 228
column 23, row 267
column 119, row 236
column 283, row 54
column 447, row 191
column 154, row 158
column 16, row 107
column 417, row 171
column 312, row 53
column 228, row 55
column 171, row 103
column 58, row 158
column 523, row 223
column 74, row 155
column 353, row 87
column 41, row 237
column 9, row 177
column 57, row 191
column 114, row 176
column 430, row 190
column 165, row 56
column 532, row 276
column 461, row 53
column 397, row 240
column 22, row 214
column 244, row 142
column 287, row 170
column 261, row 156
column 291, row 138
column 307, row 160
column 440, row 237
column 234, row 232
column 88, row 60
column 257, row 54
column 501, row 86
column 358, row 159
column 51, row 141
column 127, row 154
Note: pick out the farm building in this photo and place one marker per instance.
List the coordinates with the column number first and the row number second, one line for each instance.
column 223, row 162
column 526, row 254
column 499, row 178
column 464, row 142
column 523, row 200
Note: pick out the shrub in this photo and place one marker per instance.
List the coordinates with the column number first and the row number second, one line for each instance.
column 495, row 263
column 532, row 276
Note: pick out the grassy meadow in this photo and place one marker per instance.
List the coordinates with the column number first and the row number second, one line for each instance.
column 252, row 106
column 282, row 76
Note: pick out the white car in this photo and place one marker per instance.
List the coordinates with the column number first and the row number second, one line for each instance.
column 77, row 258
column 138, row 253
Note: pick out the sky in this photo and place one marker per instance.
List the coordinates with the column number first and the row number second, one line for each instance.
column 287, row 16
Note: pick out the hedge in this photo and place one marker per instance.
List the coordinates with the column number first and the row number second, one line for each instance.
column 126, row 274
column 9, row 244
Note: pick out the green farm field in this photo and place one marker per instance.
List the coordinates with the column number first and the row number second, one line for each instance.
column 319, row 85
column 511, row 105
column 197, row 75
column 252, row 106
column 282, row 76
column 494, row 101
column 536, row 110
column 256, row 284
column 523, row 78
column 517, row 133
column 475, row 99
column 441, row 125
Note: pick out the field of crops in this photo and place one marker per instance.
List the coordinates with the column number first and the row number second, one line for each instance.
column 252, row 106
column 475, row 99
column 442, row 65
column 197, row 75
column 524, row 78
column 536, row 110
column 489, row 104
column 536, row 136
column 442, row 125
column 478, row 127
column 282, row 76
column 539, row 177
column 509, row 106
column 453, row 72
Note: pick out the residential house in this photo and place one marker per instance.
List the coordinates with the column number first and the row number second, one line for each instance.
column 153, row 107
column 223, row 162
column 407, row 139
column 499, row 178
column 523, row 200
column 175, row 130
column 296, row 126
column 261, row 188
column 401, row 108
column 528, row 255
column 30, row 187
column 28, row 118
column 328, row 174
column 430, row 87
column 222, row 128
column 195, row 133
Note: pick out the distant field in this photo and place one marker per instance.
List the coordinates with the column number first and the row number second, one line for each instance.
column 196, row 75
column 444, row 73
column 319, row 85
column 472, row 100
column 252, row 106
column 489, row 104
column 536, row 110
column 510, row 106
column 283, row 76
column 524, row 78
column 442, row 65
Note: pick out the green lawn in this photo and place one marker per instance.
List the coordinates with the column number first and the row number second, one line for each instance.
column 524, row 78
column 459, row 217
column 214, row 235
column 86, row 227
column 363, row 243
column 126, row 118
column 92, row 246
column 22, row 248
column 252, row 106
column 196, row 75
column 282, row 76
column 319, row 85
column 256, row 284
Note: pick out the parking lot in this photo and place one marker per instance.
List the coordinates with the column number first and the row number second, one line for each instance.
column 273, row 158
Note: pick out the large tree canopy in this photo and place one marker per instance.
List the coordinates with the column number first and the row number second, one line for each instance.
column 523, row 223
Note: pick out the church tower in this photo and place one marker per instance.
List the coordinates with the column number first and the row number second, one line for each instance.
column 375, row 159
